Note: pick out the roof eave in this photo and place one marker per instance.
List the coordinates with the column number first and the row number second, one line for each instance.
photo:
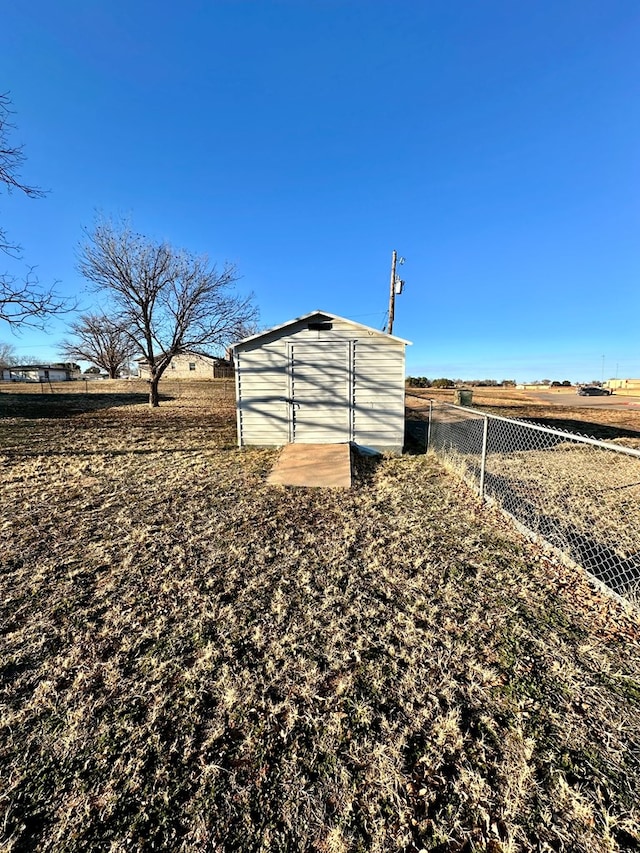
column 317, row 313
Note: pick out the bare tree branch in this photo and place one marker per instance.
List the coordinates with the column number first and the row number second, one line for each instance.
column 23, row 302
column 12, row 158
column 169, row 301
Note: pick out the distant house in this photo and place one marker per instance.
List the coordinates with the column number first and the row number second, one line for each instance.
column 40, row 372
column 532, row 386
column 191, row 365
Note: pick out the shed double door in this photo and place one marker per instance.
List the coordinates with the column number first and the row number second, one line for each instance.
column 321, row 387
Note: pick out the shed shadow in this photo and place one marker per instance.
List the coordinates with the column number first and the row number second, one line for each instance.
column 363, row 467
column 415, row 434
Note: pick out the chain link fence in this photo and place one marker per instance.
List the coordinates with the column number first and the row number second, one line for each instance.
column 578, row 495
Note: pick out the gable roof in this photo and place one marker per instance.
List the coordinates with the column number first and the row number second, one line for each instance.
column 320, row 315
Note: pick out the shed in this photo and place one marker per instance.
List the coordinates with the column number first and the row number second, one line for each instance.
column 320, row 379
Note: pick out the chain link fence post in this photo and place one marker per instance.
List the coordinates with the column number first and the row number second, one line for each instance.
column 429, row 425
column 483, row 458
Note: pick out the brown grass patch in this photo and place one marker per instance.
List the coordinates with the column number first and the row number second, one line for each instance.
column 194, row 660
column 603, row 424
column 582, row 498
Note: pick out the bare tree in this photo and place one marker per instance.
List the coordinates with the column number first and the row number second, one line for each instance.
column 22, row 300
column 100, row 341
column 169, row 301
column 7, row 355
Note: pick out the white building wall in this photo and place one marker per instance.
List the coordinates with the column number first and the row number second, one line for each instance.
column 55, row 375
column 34, row 374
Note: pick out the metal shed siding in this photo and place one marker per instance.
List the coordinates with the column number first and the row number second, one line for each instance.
column 379, row 394
column 266, row 385
column 262, row 395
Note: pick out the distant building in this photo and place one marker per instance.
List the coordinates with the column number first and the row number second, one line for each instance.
column 532, row 386
column 622, row 386
column 40, row 372
column 191, row 365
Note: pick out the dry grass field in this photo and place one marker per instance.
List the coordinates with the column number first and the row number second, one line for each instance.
column 603, row 424
column 582, row 498
column 192, row 660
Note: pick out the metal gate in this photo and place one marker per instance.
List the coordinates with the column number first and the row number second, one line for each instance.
column 321, row 392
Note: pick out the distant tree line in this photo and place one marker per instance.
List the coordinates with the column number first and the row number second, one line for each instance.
column 423, row 382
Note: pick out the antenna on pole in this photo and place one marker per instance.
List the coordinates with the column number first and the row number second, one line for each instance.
column 396, row 286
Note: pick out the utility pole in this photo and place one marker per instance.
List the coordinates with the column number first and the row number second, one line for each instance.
column 392, row 292
column 395, row 287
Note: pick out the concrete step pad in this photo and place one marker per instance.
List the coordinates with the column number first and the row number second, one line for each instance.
column 313, row 465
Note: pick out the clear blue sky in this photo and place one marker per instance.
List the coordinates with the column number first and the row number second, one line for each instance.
column 496, row 145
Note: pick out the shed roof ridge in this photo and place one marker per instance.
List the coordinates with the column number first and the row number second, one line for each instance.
column 318, row 312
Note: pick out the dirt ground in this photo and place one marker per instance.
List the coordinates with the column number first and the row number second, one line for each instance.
column 194, row 660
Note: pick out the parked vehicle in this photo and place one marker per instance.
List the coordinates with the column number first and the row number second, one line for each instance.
column 593, row 391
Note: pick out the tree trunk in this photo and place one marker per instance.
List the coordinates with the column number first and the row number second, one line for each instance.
column 154, row 396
